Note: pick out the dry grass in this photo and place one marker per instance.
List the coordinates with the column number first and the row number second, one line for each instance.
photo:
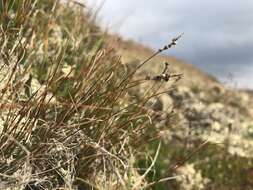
column 67, row 118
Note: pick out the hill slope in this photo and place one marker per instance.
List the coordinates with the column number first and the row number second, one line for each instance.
column 198, row 109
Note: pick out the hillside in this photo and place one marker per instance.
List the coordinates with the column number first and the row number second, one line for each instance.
column 205, row 110
column 79, row 112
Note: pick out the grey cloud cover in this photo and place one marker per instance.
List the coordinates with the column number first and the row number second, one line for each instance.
column 218, row 33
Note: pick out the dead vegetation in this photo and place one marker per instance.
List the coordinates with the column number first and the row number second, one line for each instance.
column 67, row 119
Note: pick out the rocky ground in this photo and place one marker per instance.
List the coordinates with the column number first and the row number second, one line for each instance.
column 199, row 109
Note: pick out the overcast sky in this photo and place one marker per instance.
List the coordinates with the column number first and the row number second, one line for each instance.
column 218, row 33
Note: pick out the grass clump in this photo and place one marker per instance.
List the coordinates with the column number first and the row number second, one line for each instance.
column 67, row 119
